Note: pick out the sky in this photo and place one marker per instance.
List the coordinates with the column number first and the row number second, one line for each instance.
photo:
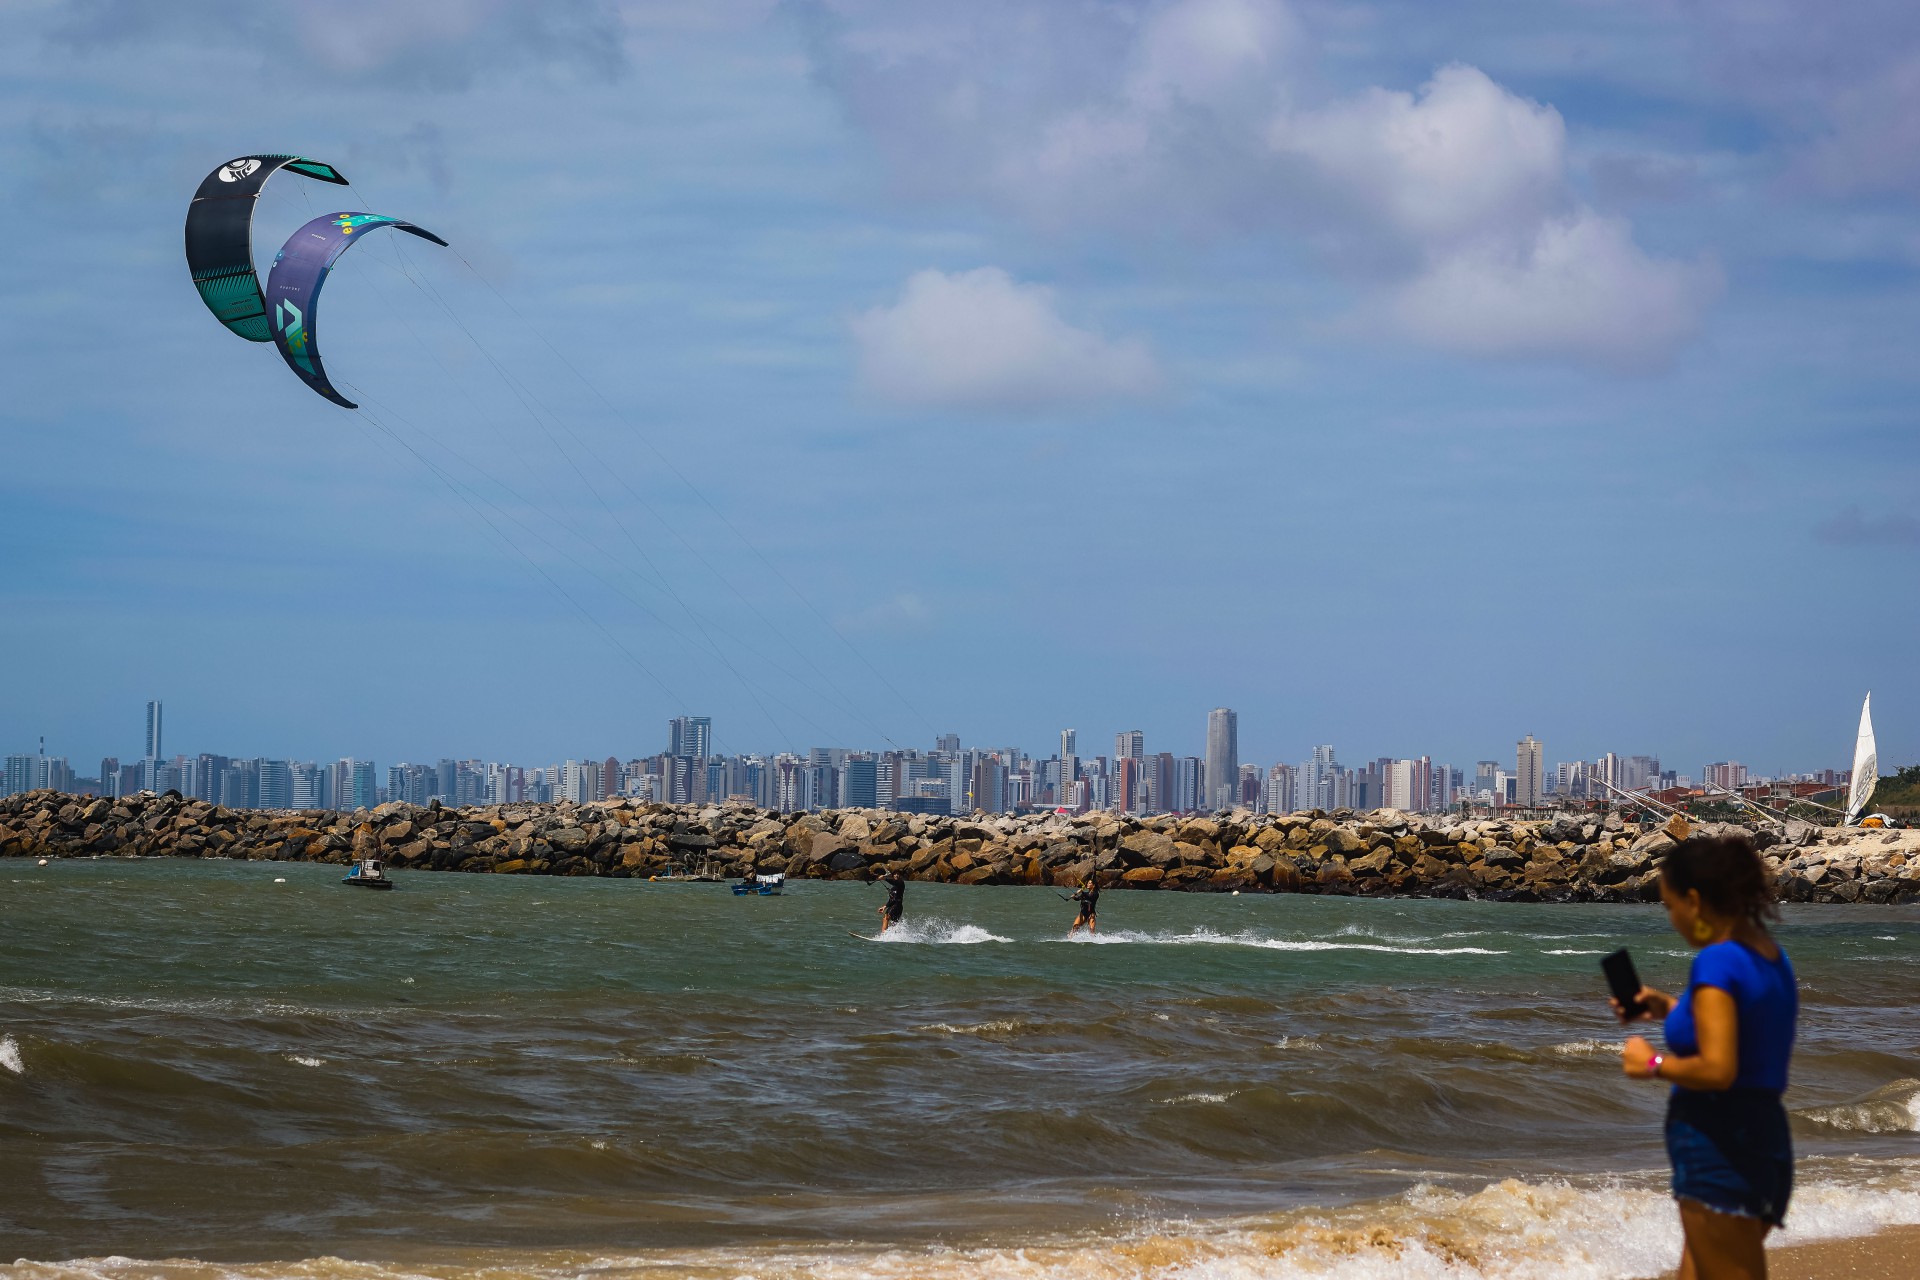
column 1409, row 377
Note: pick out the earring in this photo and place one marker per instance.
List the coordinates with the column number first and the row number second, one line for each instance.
column 1701, row 930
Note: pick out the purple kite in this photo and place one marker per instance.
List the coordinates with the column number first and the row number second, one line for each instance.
column 293, row 288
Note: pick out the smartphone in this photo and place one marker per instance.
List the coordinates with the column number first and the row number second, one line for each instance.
column 1624, row 982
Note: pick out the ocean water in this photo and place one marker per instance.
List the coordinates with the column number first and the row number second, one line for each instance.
column 231, row 1069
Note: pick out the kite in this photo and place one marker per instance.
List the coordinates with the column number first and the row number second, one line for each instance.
column 220, row 237
column 293, row 287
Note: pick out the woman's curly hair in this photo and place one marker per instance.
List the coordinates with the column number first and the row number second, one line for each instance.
column 1729, row 874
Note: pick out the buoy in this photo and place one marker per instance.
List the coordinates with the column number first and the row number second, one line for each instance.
column 43, row 862
column 279, row 879
column 1236, row 893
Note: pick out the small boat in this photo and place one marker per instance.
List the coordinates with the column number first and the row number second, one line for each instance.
column 761, row 886
column 367, row 874
column 709, row 873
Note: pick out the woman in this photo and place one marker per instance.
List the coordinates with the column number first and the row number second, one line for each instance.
column 1089, row 899
column 1729, row 1037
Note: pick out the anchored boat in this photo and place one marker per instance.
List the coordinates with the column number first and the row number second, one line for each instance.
column 368, row 874
column 761, row 886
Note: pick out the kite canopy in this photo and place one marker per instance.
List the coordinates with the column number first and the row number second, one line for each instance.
column 220, row 237
column 293, row 288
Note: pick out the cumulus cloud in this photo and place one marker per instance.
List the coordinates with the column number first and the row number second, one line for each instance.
column 1450, row 207
column 982, row 340
column 1461, row 159
column 1577, row 288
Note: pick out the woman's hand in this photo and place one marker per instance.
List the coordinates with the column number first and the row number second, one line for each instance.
column 1653, row 1004
column 1636, row 1058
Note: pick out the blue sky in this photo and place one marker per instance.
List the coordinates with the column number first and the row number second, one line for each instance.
column 1409, row 377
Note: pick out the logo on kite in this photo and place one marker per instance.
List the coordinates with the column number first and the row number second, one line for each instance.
column 238, row 169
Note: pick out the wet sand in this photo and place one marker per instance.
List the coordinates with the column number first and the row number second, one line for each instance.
column 1893, row 1254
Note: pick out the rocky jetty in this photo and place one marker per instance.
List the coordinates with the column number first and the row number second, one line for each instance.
column 1583, row 857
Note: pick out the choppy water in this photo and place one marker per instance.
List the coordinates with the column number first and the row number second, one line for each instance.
column 255, row 1071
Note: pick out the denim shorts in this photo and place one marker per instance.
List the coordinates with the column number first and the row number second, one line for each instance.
column 1731, row 1151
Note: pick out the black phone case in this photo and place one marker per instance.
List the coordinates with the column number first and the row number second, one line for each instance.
column 1623, row 980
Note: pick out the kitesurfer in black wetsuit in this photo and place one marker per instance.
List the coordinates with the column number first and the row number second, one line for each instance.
column 1089, row 899
column 896, row 882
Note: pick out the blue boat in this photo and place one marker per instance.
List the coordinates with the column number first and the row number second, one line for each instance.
column 760, row 886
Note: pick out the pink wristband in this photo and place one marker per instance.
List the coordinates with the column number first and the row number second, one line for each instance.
column 1654, row 1064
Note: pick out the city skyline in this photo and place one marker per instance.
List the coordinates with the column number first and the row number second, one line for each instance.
column 998, row 778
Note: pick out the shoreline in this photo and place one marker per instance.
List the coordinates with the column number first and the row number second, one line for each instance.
column 1383, row 853
column 1886, row 1254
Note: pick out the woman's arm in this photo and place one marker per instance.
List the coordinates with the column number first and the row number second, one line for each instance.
column 1716, row 1027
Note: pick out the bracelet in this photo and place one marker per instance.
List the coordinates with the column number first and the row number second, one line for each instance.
column 1654, row 1064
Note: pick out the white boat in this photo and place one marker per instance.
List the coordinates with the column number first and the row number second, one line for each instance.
column 1866, row 766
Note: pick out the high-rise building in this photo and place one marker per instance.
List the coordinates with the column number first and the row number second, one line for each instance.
column 1528, row 772
column 1320, row 783
column 1189, row 784
column 275, row 780
column 690, row 737
column 153, row 731
column 1279, row 789
column 23, row 774
column 990, row 784
column 1130, row 745
column 862, row 785
column 305, row 777
column 364, row 790
column 947, row 743
column 110, row 777
column 1065, row 794
column 1223, row 758
column 1728, row 775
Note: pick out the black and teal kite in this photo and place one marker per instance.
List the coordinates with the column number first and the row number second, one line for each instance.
column 220, row 255
column 220, row 237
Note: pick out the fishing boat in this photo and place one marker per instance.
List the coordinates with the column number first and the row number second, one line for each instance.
column 367, row 874
column 709, row 873
column 761, row 886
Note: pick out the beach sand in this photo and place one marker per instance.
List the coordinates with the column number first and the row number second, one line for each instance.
column 1893, row 1254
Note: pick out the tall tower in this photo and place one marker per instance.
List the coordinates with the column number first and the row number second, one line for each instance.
column 1065, row 796
column 1130, row 745
column 1223, row 758
column 1527, row 788
column 690, row 737
column 153, row 731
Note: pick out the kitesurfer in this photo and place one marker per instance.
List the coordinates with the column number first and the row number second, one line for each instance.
column 895, row 905
column 1089, row 899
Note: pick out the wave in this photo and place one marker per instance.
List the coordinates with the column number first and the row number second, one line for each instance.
column 1611, row 1229
column 1586, row 1049
column 999, row 1027
column 934, row 930
column 1207, row 937
column 10, row 1056
column 1572, row 951
column 1892, row 1108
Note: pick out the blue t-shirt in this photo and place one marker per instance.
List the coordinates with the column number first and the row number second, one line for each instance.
column 1767, row 1000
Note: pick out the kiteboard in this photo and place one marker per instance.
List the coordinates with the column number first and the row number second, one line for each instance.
column 864, row 937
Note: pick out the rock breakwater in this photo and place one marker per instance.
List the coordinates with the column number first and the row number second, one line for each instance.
column 1577, row 857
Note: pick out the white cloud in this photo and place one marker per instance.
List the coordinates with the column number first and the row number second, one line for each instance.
column 1451, row 207
column 1578, row 289
column 1463, row 158
column 981, row 340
